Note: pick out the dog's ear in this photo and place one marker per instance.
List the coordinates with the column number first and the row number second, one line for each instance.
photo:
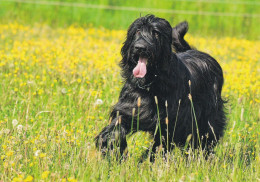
column 178, row 33
column 127, row 43
column 129, row 38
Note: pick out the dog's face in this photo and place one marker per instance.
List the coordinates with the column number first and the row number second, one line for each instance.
column 147, row 45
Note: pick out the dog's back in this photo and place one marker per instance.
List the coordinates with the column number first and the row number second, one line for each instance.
column 198, row 63
column 205, row 71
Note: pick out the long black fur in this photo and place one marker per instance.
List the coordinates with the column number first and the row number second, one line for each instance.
column 168, row 75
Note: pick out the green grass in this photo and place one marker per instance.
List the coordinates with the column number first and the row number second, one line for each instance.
column 116, row 19
column 51, row 79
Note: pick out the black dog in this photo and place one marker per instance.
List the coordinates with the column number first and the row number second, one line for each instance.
column 187, row 84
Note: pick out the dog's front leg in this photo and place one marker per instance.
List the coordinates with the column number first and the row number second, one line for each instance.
column 112, row 139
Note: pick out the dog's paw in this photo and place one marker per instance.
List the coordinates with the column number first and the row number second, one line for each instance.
column 111, row 143
column 103, row 142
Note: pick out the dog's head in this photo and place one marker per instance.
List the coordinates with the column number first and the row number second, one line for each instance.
column 147, row 46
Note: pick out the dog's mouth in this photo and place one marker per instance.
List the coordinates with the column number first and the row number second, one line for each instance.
column 140, row 69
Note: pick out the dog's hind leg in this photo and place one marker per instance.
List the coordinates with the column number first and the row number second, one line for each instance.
column 113, row 139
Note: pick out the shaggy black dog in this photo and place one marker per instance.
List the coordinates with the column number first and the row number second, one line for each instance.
column 157, row 61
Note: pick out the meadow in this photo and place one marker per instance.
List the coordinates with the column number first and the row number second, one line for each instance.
column 57, row 87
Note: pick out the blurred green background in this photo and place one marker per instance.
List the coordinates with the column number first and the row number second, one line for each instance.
column 214, row 17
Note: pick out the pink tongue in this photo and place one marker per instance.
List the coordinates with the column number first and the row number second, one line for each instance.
column 140, row 69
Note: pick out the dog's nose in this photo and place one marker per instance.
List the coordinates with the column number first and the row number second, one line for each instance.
column 140, row 47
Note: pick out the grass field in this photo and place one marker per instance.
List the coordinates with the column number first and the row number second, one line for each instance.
column 218, row 17
column 51, row 83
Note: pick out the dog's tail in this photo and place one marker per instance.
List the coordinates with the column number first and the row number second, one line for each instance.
column 178, row 33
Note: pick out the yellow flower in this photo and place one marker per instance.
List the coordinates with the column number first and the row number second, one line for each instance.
column 10, row 153
column 17, row 179
column 4, row 147
column 42, row 155
column 70, row 179
column 28, row 179
column 45, row 174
